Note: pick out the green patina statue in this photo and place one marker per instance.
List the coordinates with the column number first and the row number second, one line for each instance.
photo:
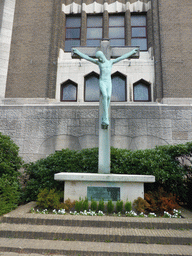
column 105, row 83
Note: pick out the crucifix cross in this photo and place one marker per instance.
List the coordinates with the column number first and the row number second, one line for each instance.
column 109, row 52
column 105, row 53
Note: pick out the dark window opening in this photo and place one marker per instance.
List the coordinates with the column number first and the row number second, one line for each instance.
column 118, row 87
column 141, row 91
column 69, row 91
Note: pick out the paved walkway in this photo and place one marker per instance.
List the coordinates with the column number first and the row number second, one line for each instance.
column 22, row 212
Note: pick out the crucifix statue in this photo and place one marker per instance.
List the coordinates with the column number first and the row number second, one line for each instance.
column 105, row 61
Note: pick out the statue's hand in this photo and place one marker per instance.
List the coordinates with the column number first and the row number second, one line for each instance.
column 135, row 50
column 75, row 50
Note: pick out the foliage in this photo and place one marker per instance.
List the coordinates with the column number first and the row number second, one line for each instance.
column 10, row 161
column 79, row 205
column 48, row 199
column 41, row 173
column 86, row 204
column 93, row 205
column 128, row 206
column 110, row 206
column 9, row 193
column 164, row 162
column 68, row 205
column 160, row 201
column 140, row 204
column 119, row 206
column 101, row 205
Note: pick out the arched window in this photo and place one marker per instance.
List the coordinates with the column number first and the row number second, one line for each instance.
column 92, row 87
column 69, row 91
column 118, row 87
column 141, row 91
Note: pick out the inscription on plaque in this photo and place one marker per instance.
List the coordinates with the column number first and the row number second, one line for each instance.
column 105, row 193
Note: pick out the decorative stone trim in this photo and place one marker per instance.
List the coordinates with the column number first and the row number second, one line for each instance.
column 111, row 8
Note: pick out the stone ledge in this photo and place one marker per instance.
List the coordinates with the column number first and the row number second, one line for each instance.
column 104, row 177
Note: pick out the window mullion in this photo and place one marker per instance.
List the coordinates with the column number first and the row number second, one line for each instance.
column 83, row 28
column 106, row 25
column 127, row 28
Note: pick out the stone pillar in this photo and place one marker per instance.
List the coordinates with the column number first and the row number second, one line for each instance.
column 105, row 22
column 127, row 28
column 83, row 26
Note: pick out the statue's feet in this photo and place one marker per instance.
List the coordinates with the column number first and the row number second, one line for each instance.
column 104, row 125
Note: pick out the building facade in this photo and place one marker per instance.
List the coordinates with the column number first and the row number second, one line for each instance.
column 49, row 101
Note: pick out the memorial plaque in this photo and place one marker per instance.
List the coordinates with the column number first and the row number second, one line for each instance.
column 105, row 193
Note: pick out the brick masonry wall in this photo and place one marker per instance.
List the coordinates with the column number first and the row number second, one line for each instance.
column 40, row 130
column 33, row 59
column 176, row 44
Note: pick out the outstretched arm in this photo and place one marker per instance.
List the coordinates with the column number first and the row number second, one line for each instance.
column 84, row 56
column 125, row 56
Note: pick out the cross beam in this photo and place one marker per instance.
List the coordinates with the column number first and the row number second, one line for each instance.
column 109, row 52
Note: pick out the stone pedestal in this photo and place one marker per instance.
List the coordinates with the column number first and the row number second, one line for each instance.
column 103, row 186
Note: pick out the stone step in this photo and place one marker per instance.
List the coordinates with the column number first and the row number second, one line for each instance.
column 99, row 234
column 98, row 221
column 76, row 248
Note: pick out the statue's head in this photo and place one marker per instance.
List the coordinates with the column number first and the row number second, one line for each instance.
column 100, row 55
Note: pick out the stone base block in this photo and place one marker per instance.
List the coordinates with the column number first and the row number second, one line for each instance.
column 103, row 186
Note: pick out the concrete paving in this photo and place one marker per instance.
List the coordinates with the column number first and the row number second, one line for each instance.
column 21, row 222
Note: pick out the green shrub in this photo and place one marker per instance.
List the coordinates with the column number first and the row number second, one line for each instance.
column 101, row 205
column 9, row 193
column 41, row 173
column 128, row 206
column 10, row 161
column 85, row 204
column 119, row 206
column 110, row 206
column 79, row 205
column 93, row 205
column 48, row 199
column 162, row 162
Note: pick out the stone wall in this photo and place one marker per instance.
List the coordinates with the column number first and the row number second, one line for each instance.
column 175, row 41
column 39, row 130
column 34, row 49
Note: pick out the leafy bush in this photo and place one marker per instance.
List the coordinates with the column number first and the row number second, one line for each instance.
column 110, row 206
column 93, row 205
column 162, row 162
column 119, row 206
column 48, row 199
column 9, row 193
column 101, row 205
column 86, row 204
column 10, row 161
column 79, row 205
column 128, row 206
column 68, row 205
column 140, row 204
column 41, row 173
column 160, row 201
